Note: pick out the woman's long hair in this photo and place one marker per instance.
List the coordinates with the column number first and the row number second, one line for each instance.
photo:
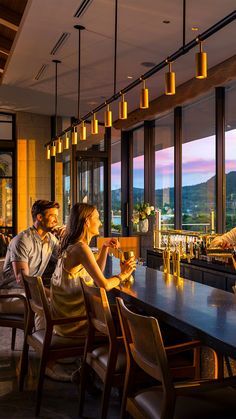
column 75, row 228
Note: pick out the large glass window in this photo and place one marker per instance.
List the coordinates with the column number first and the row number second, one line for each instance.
column 6, row 127
column 138, row 169
column 138, row 166
column 198, row 165
column 6, row 207
column 116, row 187
column 230, row 156
column 164, row 169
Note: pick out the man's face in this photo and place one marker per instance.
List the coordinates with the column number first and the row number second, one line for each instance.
column 49, row 219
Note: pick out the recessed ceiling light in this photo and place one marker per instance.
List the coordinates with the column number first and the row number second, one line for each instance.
column 148, row 64
column 166, row 21
column 129, row 77
column 195, row 28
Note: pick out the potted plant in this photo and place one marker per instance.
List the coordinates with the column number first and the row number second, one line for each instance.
column 140, row 216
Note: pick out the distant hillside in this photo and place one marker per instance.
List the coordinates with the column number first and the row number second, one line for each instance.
column 192, row 196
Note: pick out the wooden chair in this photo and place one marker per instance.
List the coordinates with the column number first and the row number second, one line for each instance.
column 12, row 320
column 48, row 345
column 203, row 399
column 126, row 244
column 107, row 360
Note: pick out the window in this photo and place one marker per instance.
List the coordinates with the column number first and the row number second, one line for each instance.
column 164, row 169
column 6, row 127
column 138, row 168
column 116, row 187
column 230, row 156
column 198, row 165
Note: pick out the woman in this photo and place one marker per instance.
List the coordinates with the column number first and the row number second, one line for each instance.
column 77, row 261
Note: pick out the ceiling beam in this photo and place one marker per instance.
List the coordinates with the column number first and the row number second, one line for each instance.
column 2, row 64
column 9, row 18
column 5, row 45
column 217, row 76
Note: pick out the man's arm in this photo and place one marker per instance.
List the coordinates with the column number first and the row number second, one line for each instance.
column 18, row 268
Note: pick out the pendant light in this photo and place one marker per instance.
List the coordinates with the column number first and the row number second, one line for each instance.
column 66, row 142
column 108, row 112
column 83, row 131
column 58, row 149
column 53, row 149
column 170, row 81
column 144, row 99
column 74, row 137
column 94, row 125
column 123, row 108
column 82, row 128
column 108, row 117
column 59, row 146
column 201, row 63
column 48, row 152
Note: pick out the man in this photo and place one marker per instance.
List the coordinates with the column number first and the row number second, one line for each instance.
column 31, row 250
column 226, row 240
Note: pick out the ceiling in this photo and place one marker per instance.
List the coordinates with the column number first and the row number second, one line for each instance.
column 29, row 30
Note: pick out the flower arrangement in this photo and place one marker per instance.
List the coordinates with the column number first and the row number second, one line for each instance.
column 142, row 211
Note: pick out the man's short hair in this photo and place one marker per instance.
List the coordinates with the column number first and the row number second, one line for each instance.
column 41, row 205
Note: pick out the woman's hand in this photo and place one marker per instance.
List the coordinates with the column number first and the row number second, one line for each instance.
column 127, row 267
column 112, row 243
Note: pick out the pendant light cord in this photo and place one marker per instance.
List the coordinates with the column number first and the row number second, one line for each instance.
column 115, row 45
column 80, row 28
column 184, row 23
column 56, row 76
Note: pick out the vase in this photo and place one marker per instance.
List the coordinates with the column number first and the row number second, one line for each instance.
column 143, row 226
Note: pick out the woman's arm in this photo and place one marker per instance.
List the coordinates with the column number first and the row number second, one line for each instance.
column 87, row 259
column 102, row 256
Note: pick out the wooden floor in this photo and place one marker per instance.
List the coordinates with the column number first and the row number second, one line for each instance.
column 60, row 400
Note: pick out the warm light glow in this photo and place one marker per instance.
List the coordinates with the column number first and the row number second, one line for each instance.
column 123, row 108
column 170, row 82
column 108, row 117
column 59, row 146
column 94, row 125
column 66, row 143
column 74, row 138
column 83, row 131
column 201, row 63
column 53, row 149
column 144, row 99
column 48, row 154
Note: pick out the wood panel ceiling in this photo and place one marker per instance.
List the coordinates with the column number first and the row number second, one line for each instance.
column 11, row 12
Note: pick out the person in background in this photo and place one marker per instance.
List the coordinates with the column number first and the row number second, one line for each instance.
column 31, row 251
column 227, row 240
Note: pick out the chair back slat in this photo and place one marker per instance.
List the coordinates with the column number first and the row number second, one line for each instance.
column 98, row 310
column 36, row 296
column 144, row 343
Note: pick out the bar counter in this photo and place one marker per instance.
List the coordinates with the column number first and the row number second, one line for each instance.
column 202, row 312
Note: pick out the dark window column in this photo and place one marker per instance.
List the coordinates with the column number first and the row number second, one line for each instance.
column 107, row 184
column 220, row 159
column 126, row 181
column 149, row 162
column 178, row 166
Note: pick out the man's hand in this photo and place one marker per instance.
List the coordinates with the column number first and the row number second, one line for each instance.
column 59, row 231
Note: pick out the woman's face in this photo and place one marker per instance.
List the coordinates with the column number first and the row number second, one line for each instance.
column 93, row 223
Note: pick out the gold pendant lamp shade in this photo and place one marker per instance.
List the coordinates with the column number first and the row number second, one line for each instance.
column 74, row 137
column 53, row 150
column 108, row 117
column 48, row 154
column 59, row 146
column 144, row 99
column 123, row 108
column 201, row 63
column 66, row 142
column 94, row 125
column 83, row 132
column 170, row 82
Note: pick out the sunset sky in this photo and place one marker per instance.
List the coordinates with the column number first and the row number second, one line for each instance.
column 198, row 163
